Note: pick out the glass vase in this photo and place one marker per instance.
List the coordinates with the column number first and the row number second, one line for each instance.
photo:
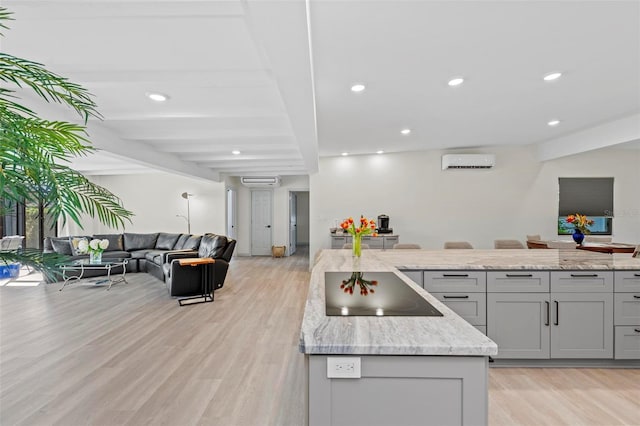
column 95, row 257
column 357, row 245
column 578, row 236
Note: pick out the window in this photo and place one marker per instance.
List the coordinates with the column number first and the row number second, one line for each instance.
column 589, row 196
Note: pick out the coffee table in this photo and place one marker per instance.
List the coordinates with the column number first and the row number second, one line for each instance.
column 83, row 265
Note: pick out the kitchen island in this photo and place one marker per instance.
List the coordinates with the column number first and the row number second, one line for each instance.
column 423, row 370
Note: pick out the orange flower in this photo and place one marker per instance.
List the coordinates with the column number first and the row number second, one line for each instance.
column 350, row 220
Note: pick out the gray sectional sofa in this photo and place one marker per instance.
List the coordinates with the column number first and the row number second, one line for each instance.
column 158, row 254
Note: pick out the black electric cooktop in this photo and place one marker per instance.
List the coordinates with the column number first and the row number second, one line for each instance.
column 373, row 294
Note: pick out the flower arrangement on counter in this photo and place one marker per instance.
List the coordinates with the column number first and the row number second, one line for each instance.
column 580, row 222
column 365, row 227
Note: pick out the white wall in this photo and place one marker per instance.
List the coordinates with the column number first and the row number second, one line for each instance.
column 280, row 225
column 155, row 200
column 429, row 206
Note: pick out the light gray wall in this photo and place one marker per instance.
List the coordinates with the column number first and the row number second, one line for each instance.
column 155, row 200
column 429, row 206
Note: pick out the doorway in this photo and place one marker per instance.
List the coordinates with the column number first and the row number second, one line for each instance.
column 298, row 220
column 261, row 214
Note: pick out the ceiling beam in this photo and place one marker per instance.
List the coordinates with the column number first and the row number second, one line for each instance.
column 605, row 135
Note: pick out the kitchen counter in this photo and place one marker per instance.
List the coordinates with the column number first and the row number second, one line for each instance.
column 320, row 334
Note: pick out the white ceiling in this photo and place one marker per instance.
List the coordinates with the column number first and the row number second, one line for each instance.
column 272, row 79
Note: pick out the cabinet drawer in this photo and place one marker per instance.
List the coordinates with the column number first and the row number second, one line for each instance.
column 628, row 281
column 627, row 342
column 518, row 281
column 472, row 307
column 373, row 242
column 455, row 281
column 626, row 310
column 390, row 241
column 338, row 242
column 582, row 281
column 415, row 275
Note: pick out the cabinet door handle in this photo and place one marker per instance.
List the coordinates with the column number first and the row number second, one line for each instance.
column 546, row 303
column 584, row 275
column 636, row 275
column 637, row 330
column 455, row 275
column 456, row 297
column 519, row 275
column 635, row 296
column 557, row 321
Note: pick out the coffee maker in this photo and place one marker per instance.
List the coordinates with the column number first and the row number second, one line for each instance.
column 383, row 225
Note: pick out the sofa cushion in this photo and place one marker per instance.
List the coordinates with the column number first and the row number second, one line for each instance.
column 61, row 245
column 212, row 245
column 139, row 241
column 139, row 254
column 154, row 256
column 180, row 242
column 116, row 254
column 166, row 241
column 115, row 241
column 192, row 243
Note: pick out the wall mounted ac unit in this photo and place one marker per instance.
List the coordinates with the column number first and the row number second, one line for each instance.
column 263, row 181
column 468, row 161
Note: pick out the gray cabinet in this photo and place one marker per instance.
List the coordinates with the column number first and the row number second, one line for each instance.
column 562, row 314
column 414, row 274
column 472, row 307
column 380, row 242
column 582, row 325
column 520, row 324
column 626, row 314
column 457, row 281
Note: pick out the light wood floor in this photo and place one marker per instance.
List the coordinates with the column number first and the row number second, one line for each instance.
column 132, row 356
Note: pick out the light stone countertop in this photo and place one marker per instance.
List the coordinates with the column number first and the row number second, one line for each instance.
column 446, row 335
column 320, row 334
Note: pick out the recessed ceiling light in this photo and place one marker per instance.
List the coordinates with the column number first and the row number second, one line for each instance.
column 235, row 152
column 380, row 152
column 552, row 76
column 553, row 123
column 344, row 154
column 158, row 97
column 456, row 81
column 405, row 131
column 357, row 88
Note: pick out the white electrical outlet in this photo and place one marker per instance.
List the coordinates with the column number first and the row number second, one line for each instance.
column 343, row 367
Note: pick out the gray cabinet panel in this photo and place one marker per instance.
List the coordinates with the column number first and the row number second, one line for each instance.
column 627, row 281
column 627, row 342
column 434, row 390
column 390, row 241
column 582, row 281
column 519, row 324
column 415, row 275
column 582, row 325
column 481, row 328
column 373, row 242
column 338, row 242
column 472, row 307
column 455, row 281
column 626, row 309
column 518, row 281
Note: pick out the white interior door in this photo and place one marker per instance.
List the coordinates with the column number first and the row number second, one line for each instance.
column 293, row 222
column 231, row 213
column 261, row 231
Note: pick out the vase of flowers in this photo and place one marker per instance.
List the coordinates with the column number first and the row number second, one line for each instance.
column 581, row 225
column 365, row 227
column 95, row 248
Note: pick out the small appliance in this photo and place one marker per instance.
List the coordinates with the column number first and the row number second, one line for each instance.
column 383, row 225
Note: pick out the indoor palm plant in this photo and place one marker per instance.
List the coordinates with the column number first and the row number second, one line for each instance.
column 35, row 152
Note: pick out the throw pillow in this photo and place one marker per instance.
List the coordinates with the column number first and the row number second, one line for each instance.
column 115, row 241
column 61, row 245
column 75, row 245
